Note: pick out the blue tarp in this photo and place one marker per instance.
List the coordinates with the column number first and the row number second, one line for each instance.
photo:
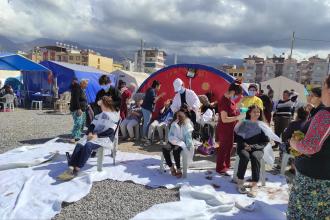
column 18, row 62
column 64, row 72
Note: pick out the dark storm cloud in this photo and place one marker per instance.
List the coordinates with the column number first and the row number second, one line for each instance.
column 173, row 23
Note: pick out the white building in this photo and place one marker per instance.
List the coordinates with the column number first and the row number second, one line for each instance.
column 150, row 60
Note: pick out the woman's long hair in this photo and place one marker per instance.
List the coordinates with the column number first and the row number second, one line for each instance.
column 251, row 108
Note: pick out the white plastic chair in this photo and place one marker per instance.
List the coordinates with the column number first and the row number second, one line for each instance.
column 262, row 171
column 8, row 102
column 100, row 151
column 285, row 160
column 36, row 104
column 184, row 163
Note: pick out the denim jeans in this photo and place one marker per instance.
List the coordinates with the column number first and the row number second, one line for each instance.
column 146, row 120
column 81, row 154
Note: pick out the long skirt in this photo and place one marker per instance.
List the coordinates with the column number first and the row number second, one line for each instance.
column 309, row 198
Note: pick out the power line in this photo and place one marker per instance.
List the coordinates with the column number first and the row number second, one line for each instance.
column 314, row 40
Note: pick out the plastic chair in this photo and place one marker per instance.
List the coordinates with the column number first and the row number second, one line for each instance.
column 285, row 160
column 184, row 163
column 262, row 171
column 8, row 102
column 100, row 151
column 36, row 104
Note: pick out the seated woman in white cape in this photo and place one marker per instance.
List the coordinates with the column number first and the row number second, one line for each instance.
column 180, row 139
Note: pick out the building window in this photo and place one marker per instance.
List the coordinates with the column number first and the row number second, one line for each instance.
column 98, row 66
column 150, row 65
column 70, row 57
column 84, row 59
column 77, row 57
column 240, row 74
column 98, row 60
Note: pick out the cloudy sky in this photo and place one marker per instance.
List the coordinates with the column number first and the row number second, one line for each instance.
column 231, row 28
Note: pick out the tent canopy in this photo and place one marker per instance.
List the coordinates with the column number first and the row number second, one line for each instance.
column 207, row 80
column 64, row 73
column 281, row 83
column 130, row 77
column 18, row 62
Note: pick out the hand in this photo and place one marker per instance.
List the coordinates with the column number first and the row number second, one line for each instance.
column 293, row 143
column 79, row 112
column 161, row 95
column 240, row 117
column 89, row 136
column 247, row 147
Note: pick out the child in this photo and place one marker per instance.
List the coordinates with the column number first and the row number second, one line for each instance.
column 133, row 119
column 164, row 119
column 180, row 138
column 100, row 133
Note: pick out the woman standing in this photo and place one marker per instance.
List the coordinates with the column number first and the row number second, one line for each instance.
column 251, row 140
column 148, row 105
column 78, row 106
column 229, row 115
column 125, row 96
column 310, row 195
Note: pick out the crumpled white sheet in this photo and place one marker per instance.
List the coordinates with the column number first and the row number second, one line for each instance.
column 203, row 202
column 35, row 193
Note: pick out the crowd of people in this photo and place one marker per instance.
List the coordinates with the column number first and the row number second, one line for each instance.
column 244, row 120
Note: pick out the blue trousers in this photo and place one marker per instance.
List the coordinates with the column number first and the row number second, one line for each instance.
column 81, row 154
column 146, row 121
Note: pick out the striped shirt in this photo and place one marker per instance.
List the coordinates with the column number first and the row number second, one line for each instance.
column 285, row 108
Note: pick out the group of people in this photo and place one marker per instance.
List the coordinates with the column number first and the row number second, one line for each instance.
column 250, row 129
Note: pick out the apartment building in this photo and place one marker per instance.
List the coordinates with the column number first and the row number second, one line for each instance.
column 254, row 69
column 72, row 55
column 290, row 70
column 150, row 60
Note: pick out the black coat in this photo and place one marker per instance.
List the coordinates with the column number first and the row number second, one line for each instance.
column 78, row 98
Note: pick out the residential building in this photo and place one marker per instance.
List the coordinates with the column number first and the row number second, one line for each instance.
column 290, row 69
column 319, row 70
column 72, row 55
column 254, row 69
column 304, row 72
column 150, row 60
column 128, row 65
column 238, row 73
column 268, row 70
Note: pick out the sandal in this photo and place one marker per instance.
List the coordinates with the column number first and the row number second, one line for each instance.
column 178, row 174
column 173, row 171
column 253, row 192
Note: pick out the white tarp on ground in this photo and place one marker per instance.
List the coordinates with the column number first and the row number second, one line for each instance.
column 130, row 77
column 36, row 193
column 281, row 83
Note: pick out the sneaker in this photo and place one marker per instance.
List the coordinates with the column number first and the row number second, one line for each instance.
column 161, row 143
column 147, row 143
column 93, row 155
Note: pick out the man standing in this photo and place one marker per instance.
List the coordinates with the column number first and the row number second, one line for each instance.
column 268, row 106
column 284, row 113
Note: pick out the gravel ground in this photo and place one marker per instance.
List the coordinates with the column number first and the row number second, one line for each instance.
column 108, row 199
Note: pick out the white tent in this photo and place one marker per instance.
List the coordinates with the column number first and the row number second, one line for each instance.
column 4, row 74
column 130, row 77
column 281, row 83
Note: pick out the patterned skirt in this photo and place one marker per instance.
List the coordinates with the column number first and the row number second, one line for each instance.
column 309, row 199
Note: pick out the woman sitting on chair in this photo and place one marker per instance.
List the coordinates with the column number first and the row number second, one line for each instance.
column 251, row 140
column 180, row 138
column 100, row 133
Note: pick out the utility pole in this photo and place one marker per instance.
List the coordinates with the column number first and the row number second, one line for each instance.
column 142, row 57
column 292, row 42
column 175, row 59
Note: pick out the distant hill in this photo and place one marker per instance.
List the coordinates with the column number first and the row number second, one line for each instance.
column 117, row 54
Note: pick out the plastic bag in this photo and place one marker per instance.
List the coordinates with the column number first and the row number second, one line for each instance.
column 269, row 156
